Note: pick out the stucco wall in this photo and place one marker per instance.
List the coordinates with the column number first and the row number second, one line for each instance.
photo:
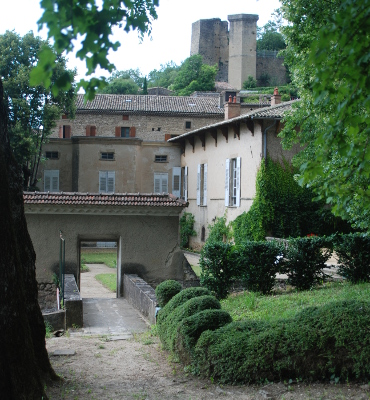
column 146, row 125
column 148, row 244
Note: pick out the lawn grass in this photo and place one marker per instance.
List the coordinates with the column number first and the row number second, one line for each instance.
column 108, row 280
column 107, row 258
column 269, row 308
column 197, row 270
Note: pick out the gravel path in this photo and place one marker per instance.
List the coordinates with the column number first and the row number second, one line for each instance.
column 91, row 288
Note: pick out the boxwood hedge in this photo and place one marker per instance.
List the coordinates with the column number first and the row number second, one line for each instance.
column 166, row 290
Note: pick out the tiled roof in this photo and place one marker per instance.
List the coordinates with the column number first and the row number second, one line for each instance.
column 271, row 112
column 94, row 199
column 150, row 104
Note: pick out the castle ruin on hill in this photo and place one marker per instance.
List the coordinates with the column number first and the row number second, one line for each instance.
column 231, row 45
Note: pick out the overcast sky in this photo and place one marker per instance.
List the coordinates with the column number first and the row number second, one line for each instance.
column 171, row 34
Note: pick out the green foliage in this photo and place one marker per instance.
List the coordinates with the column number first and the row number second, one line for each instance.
column 109, row 258
column 48, row 330
column 282, row 208
column 190, row 329
column 168, row 333
column 145, row 86
column 69, row 21
column 305, row 261
column 186, row 229
column 257, row 265
column 353, row 251
column 250, row 83
column 316, row 343
column 285, row 97
column 264, row 79
column 218, row 268
column 166, row 290
column 108, row 280
column 177, row 301
column 219, row 231
column 327, row 53
column 193, row 75
column 32, row 110
column 120, row 86
column 269, row 37
column 165, row 76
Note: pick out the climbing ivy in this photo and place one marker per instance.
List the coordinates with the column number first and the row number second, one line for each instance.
column 282, row 208
column 186, row 229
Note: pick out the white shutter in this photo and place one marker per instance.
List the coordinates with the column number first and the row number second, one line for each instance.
column 186, row 184
column 205, row 185
column 227, row 182
column 111, row 177
column 198, row 186
column 176, row 181
column 51, row 180
column 102, row 181
column 164, row 182
column 55, row 181
column 237, row 201
column 47, row 181
column 157, row 183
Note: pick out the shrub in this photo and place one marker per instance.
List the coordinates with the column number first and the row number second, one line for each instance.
column 258, row 264
column 305, row 261
column 166, row 290
column 186, row 229
column 177, row 301
column 250, row 83
column 285, row 97
column 318, row 343
column 219, row 231
column 353, row 251
column 187, row 309
column 216, row 262
column 192, row 327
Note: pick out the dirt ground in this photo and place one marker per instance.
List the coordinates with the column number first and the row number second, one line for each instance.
column 139, row 369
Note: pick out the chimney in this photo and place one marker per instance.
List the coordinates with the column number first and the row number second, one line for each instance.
column 276, row 98
column 232, row 108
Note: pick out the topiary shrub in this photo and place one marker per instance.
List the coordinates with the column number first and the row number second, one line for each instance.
column 175, row 302
column 353, row 251
column 258, row 263
column 187, row 309
column 217, row 264
column 166, row 290
column 305, row 261
column 190, row 329
column 318, row 343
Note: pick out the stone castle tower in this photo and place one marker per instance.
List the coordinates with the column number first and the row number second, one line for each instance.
column 233, row 49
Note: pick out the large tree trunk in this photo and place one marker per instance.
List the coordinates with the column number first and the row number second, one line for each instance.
column 24, row 362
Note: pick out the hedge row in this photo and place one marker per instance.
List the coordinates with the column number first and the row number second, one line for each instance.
column 256, row 264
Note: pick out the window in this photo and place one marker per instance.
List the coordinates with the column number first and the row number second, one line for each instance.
column 176, row 181
column 107, row 156
column 202, row 185
column 232, row 182
column 65, row 131
column 184, row 186
column 203, row 234
column 51, row 155
column 107, row 181
column 125, row 131
column 90, row 130
column 160, row 183
column 51, row 180
column 160, row 158
column 187, row 124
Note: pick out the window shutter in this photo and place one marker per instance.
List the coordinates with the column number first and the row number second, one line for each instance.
column 61, row 131
column 238, row 182
column 186, row 184
column 176, row 181
column 205, row 185
column 51, row 180
column 132, row 131
column 102, row 182
column 67, row 131
column 55, row 182
column 47, row 181
column 118, row 131
column 111, row 175
column 88, row 130
column 167, row 136
column 164, row 183
column 198, row 186
column 92, row 130
column 227, row 183
column 157, row 183
column 124, row 117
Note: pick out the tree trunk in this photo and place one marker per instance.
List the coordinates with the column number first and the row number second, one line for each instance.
column 24, row 362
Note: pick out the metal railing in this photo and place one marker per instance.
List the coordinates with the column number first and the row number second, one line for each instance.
column 62, row 266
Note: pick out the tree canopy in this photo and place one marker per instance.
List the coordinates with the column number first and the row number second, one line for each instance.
column 32, row 110
column 269, row 36
column 328, row 53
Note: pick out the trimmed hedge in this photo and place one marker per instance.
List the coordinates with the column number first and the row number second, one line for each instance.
column 191, row 307
column 190, row 329
column 353, row 252
column 318, row 343
column 175, row 302
column 166, row 290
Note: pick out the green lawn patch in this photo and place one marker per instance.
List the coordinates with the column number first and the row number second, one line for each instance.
column 197, row 270
column 108, row 280
column 107, row 258
column 249, row 305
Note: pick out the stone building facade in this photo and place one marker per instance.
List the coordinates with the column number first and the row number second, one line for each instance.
column 231, row 45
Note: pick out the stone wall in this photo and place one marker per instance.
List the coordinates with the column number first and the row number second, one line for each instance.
column 272, row 66
column 47, row 295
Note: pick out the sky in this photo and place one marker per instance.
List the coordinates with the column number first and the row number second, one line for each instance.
column 171, row 32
